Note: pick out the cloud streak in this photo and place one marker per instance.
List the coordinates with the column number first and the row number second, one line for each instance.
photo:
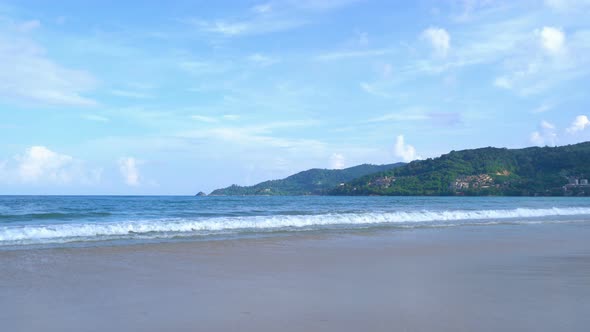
column 29, row 76
column 271, row 17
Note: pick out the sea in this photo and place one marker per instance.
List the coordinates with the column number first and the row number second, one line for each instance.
column 50, row 221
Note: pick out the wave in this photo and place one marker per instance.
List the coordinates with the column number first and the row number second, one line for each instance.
column 158, row 228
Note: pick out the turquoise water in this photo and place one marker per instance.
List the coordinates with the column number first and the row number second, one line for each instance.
column 64, row 220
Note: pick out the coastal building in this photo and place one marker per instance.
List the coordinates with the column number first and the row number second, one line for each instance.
column 383, row 182
column 482, row 181
column 576, row 182
column 576, row 186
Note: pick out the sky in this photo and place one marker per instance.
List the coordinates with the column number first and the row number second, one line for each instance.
column 176, row 97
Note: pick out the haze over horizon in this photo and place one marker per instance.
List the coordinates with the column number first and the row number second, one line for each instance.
column 187, row 97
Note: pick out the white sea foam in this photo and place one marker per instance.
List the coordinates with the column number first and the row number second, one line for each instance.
column 165, row 227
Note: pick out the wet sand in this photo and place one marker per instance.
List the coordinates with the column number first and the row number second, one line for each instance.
column 498, row 278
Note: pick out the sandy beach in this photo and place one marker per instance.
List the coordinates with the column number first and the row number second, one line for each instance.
column 510, row 278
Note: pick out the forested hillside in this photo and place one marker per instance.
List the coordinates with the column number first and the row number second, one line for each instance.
column 310, row 182
column 486, row 171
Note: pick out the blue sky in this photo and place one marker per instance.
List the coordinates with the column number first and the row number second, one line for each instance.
column 136, row 97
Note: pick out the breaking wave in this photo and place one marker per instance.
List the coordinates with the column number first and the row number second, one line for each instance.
column 165, row 228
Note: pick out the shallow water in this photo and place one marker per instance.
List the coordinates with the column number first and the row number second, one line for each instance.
column 67, row 220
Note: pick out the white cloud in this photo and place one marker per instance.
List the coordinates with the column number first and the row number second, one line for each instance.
column 129, row 170
column 405, row 151
column 28, row 75
column 545, row 135
column 552, row 40
column 528, row 71
column 439, row 39
column 579, row 124
column 337, row 161
column 518, row 53
column 255, row 26
column 547, row 125
column 39, row 162
column 39, row 165
column 480, row 44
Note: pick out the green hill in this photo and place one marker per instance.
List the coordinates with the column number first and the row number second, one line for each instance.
column 311, row 182
column 551, row 171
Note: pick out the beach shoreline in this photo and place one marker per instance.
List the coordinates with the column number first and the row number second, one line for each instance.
column 490, row 278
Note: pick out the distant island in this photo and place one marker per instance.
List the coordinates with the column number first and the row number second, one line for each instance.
column 311, row 182
column 534, row 171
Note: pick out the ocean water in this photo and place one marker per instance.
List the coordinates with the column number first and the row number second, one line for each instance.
column 74, row 220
